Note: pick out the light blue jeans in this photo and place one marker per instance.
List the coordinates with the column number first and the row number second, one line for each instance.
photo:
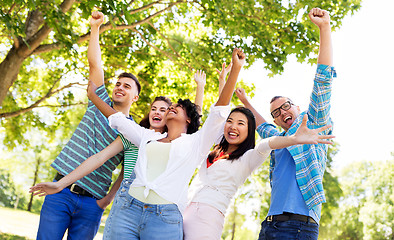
column 130, row 218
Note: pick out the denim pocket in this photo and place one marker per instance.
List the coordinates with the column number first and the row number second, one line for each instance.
column 171, row 216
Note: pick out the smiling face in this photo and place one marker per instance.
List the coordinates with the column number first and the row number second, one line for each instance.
column 176, row 112
column 286, row 117
column 157, row 114
column 125, row 91
column 236, row 129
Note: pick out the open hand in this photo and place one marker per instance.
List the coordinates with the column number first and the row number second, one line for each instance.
column 45, row 188
column 225, row 70
column 241, row 94
column 305, row 135
column 319, row 17
column 97, row 19
column 200, row 78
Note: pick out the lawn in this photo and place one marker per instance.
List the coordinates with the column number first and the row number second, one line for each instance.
column 22, row 225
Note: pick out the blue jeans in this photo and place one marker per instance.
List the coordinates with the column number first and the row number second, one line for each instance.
column 132, row 219
column 66, row 210
column 291, row 229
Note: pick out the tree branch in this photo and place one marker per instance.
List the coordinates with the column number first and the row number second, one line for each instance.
column 36, row 104
column 107, row 26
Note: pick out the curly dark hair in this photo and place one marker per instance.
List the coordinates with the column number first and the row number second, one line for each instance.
column 145, row 121
column 247, row 144
column 192, row 113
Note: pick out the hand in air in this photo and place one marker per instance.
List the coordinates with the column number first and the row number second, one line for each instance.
column 225, row 70
column 97, row 19
column 238, row 58
column 200, row 78
column 241, row 94
column 319, row 17
column 305, row 135
column 45, row 188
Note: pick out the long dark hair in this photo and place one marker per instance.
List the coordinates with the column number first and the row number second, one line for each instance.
column 192, row 113
column 145, row 121
column 247, row 144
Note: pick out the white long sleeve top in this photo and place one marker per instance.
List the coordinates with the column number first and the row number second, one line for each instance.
column 217, row 184
column 186, row 153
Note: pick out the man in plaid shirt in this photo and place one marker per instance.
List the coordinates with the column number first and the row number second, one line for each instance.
column 296, row 172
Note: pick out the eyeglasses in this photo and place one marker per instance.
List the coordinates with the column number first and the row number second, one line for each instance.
column 285, row 106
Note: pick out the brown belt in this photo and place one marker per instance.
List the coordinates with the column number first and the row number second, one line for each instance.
column 74, row 188
column 290, row 216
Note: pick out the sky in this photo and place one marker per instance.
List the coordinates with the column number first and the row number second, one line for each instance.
column 362, row 106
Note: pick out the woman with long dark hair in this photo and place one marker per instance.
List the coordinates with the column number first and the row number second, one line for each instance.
column 228, row 166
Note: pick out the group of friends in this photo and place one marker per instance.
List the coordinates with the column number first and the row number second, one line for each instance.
column 152, row 198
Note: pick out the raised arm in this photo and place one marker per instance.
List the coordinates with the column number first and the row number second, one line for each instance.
column 96, row 73
column 240, row 92
column 321, row 18
column 200, row 79
column 222, row 75
column 238, row 60
column 88, row 166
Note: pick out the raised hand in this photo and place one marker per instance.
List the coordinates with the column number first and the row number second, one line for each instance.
column 45, row 188
column 200, row 78
column 225, row 70
column 241, row 94
column 304, row 135
column 319, row 17
column 238, row 58
column 97, row 19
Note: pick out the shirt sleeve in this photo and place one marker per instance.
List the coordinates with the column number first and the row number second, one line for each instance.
column 212, row 129
column 129, row 129
column 103, row 94
column 258, row 155
column 319, row 107
column 266, row 130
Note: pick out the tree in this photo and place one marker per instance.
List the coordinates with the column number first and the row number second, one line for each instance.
column 43, row 49
column 366, row 210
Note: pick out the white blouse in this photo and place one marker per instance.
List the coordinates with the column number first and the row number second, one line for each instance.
column 186, row 153
column 217, row 184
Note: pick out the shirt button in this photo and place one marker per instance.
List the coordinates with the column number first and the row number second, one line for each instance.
column 123, row 190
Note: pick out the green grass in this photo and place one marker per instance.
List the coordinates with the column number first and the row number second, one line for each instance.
column 6, row 236
column 20, row 224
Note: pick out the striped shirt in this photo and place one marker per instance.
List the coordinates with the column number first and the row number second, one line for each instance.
column 130, row 156
column 310, row 159
column 92, row 135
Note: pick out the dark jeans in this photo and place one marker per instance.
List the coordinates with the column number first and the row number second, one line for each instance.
column 291, row 229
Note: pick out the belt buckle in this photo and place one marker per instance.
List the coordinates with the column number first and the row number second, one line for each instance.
column 72, row 188
column 270, row 218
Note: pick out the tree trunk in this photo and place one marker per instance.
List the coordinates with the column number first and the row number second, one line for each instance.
column 38, row 162
column 9, row 69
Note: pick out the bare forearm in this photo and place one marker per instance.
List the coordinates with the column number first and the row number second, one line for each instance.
column 111, row 194
column 96, row 73
column 199, row 97
column 104, row 108
column 228, row 89
column 325, row 51
column 278, row 142
column 258, row 117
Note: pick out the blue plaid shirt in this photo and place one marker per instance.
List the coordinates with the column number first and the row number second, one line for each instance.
column 310, row 159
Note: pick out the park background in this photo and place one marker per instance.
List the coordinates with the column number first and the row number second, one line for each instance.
column 42, row 106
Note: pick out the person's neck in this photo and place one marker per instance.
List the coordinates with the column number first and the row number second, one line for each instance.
column 231, row 148
column 175, row 130
column 123, row 109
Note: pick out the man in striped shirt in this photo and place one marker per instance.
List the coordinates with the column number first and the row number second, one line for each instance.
column 79, row 207
column 296, row 172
